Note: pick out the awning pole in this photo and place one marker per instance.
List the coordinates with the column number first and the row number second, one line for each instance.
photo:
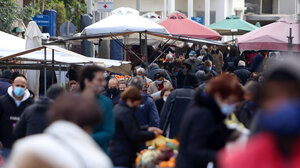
column 146, row 49
column 53, row 71
column 59, row 75
column 45, row 71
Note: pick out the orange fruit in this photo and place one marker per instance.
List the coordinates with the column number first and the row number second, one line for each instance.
column 173, row 160
column 175, row 141
column 171, row 164
column 164, row 164
column 137, row 160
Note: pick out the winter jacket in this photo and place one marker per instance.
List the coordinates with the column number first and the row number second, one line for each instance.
column 33, row 120
column 262, row 151
column 9, row 115
column 154, row 69
column 4, row 85
column 218, row 60
column 114, row 97
column 174, row 109
column 128, row 135
column 147, row 114
column 63, row 145
column 245, row 112
column 230, row 63
column 159, row 104
column 104, row 131
column 257, row 63
column 193, row 62
column 153, row 88
column 243, row 74
column 202, row 134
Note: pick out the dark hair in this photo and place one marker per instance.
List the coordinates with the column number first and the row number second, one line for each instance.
column 131, row 93
column 54, row 91
column 164, row 90
column 20, row 75
column 158, row 75
column 88, row 72
column 225, row 84
column 76, row 109
column 233, row 51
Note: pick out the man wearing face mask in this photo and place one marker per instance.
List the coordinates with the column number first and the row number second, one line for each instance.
column 159, row 83
column 192, row 60
column 92, row 82
column 12, row 106
column 113, row 92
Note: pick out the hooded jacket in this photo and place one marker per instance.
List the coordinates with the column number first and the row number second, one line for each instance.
column 10, row 113
column 63, row 145
column 147, row 114
column 128, row 135
column 154, row 69
column 33, row 120
column 202, row 133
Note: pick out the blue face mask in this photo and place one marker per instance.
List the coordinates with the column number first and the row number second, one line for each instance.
column 175, row 73
column 18, row 91
column 227, row 108
column 208, row 68
column 282, row 121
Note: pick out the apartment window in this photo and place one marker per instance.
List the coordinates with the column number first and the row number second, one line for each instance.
column 212, row 16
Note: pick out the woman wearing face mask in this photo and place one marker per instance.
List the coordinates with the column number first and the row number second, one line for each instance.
column 128, row 133
column 164, row 95
column 159, row 83
column 203, row 132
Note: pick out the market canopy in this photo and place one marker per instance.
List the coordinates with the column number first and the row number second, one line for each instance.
column 10, row 42
column 61, row 56
column 272, row 37
column 123, row 20
column 232, row 25
column 178, row 24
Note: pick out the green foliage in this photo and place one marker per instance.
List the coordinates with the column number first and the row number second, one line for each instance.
column 10, row 11
column 66, row 10
column 72, row 10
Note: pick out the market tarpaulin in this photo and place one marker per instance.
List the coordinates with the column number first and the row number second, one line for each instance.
column 272, row 37
column 178, row 24
column 232, row 25
column 123, row 20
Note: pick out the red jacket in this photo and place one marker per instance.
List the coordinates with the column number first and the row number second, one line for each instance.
column 261, row 152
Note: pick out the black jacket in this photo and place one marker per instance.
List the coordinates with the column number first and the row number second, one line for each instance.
column 33, row 120
column 114, row 97
column 245, row 112
column 202, row 134
column 9, row 115
column 243, row 74
column 128, row 135
column 173, row 110
column 159, row 104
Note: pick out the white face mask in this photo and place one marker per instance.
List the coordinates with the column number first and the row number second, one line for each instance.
column 192, row 57
column 159, row 82
column 165, row 99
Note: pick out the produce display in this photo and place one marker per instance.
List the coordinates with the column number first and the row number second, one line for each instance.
column 161, row 153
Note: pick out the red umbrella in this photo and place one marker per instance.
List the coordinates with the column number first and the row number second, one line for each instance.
column 272, row 37
column 177, row 23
